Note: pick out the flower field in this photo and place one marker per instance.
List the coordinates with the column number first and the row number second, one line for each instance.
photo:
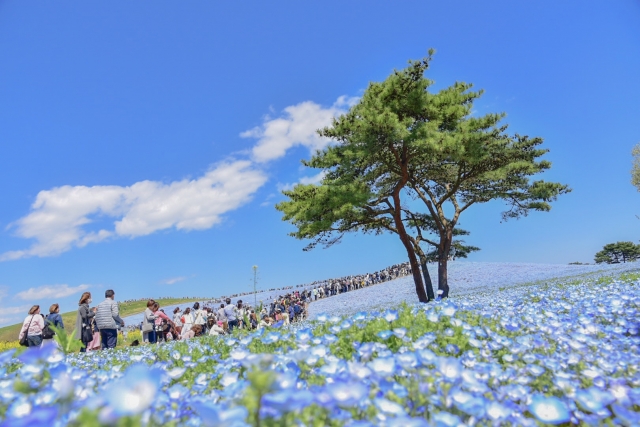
column 565, row 352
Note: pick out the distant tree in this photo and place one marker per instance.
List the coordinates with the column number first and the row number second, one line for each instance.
column 635, row 170
column 614, row 253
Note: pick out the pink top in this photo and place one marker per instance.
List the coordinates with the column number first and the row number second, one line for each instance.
column 159, row 316
column 36, row 325
column 188, row 334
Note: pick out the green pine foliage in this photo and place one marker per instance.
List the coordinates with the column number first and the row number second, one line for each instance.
column 615, row 253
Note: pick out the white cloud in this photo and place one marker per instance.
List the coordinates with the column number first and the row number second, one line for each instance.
column 50, row 291
column 297, row 126
column 59, row 217
column 173, row 280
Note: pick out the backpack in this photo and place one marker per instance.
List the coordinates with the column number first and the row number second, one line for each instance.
column 47, row 332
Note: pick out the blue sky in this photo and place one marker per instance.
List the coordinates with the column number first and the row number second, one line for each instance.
column 143, row 145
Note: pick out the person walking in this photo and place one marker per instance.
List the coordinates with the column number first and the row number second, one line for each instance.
column 230, row 311
column 108, row 319
column 32, row 327
column 53, row 319
column 83, row 321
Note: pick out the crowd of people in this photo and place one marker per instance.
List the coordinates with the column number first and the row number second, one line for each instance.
column 207, row 319
column 97, row 327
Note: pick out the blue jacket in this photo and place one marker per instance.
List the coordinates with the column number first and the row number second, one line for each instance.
column 55, row 319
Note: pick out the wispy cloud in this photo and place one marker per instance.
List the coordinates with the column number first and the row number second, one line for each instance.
column 173, row 280
column 315, row 179
column 297, row 126
column 50, row 291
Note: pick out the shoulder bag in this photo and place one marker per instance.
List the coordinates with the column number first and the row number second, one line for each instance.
column 47, row 332
column 86, row 336
column 23, row 340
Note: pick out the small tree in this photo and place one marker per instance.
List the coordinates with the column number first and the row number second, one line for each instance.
column 614, row 253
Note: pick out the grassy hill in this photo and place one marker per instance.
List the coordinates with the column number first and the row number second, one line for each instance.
column 10, row 333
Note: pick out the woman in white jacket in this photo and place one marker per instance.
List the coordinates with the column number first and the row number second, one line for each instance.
column 187, row 321
column 32, row 327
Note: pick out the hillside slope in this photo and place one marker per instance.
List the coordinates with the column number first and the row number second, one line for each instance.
column 464, row 278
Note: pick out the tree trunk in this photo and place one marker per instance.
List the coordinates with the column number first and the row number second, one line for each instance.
column 413, row 261
column 427, row 279
column 443, row 259
column 404, row 238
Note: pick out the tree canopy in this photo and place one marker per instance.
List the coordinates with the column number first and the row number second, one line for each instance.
column 403, row 154
column 614, row 253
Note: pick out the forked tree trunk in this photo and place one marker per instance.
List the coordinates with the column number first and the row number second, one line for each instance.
column 443, row 259
column 427, row 279
column 404, row 238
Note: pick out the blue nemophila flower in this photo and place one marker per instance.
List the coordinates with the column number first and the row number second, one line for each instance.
column 400, row 332
column 449, row 367
column 133, row 393
column 497, row 411
column 406, row 422
column 38, row 416
column 549, row 410
column 626, row 416
column 304, row 335
column 176, row 373
column 46, row 353
column 593, row 399
column 407, row 360
column 445, row 419
column 383, row 366
column 239, row 354
column 388, row 407
column 385, row 335
column 5, row 357
column 390, row 315
column 449, row 309
column 346, row 393
column 432, row 316
column 216, row 416
column 272, row 337
column 452, row 349
column 361, row 315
